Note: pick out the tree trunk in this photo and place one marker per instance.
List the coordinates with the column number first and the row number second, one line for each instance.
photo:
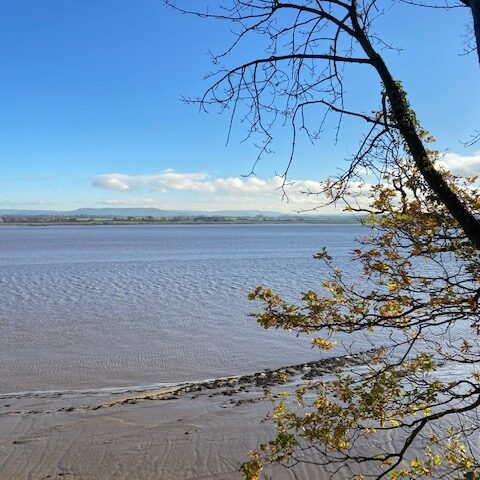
column 475, row 6
column 406, row 122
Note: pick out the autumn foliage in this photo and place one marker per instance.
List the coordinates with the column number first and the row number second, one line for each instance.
column 419, row 292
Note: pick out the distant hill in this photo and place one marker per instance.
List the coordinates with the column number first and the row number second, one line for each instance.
column 158, row 213
column 143, row 212
column 138, row 212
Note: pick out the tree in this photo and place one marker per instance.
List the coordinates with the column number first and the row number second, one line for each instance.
column 474, row 6
column 422, row 286
column 418, row 212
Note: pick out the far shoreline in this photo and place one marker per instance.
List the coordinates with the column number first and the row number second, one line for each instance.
column 187, row 221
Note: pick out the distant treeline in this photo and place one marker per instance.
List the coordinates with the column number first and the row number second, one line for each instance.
column 113, row 220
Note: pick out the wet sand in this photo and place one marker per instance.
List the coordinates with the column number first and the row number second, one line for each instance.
column 190, row 431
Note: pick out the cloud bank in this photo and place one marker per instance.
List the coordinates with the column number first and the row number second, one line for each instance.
column 208, row 193
column 172, row 189
column 169, row 180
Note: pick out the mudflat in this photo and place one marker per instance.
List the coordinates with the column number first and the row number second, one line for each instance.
column 198, row 430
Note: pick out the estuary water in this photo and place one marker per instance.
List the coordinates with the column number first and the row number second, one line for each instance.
column 121, row 306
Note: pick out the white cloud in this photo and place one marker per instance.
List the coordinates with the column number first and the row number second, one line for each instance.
column 112, row 182
column 465, row 165
column 232, row 193
column 169, row 180
column 208, row 193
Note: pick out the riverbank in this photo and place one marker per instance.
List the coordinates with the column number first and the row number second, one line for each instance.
column 27, row 222
column 200, row 430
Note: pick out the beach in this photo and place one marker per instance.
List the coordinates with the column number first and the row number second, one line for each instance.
column 201, row 430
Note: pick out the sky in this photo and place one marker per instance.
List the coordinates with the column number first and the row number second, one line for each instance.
column 90, row 95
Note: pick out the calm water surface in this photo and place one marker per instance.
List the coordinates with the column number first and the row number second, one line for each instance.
column 93, row 307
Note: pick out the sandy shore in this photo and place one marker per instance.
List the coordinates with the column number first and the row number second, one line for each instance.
column 191, row 431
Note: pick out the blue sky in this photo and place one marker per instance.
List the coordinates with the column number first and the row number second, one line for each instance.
column 91, row 111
